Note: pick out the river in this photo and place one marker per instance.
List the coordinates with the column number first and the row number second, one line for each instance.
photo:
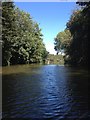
column 44, row 92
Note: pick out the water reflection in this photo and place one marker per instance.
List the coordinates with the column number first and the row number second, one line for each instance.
column 49, row 91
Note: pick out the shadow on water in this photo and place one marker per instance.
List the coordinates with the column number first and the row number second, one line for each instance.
column 45, row 92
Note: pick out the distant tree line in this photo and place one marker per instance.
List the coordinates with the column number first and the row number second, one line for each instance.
column 22, row 40
column 74, row 40
column 54, row 59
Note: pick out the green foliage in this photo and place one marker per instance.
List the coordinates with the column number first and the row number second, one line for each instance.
column 62, row 41
column 78, row 26
column 7, row 31
column 22, row 38
column 75, row 38
column 54, row 59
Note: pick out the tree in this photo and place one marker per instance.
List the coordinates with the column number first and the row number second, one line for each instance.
column 7, row 31
column 75, row 38
column 62, row 41
column 22, row 37
column 78, row 26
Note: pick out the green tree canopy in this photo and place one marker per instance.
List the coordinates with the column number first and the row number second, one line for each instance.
column 75, row 38
column 22, row 37
column 62, row 40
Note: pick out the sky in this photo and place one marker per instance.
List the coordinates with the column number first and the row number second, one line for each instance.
column 51, row 17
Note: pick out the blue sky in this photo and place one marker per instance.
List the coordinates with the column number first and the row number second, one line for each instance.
column 52, row 17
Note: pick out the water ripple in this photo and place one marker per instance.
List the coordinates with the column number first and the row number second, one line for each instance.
column 49, row 93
